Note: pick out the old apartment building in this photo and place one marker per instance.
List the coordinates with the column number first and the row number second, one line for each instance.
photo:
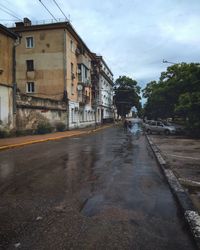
column 102, row 89
column 53, row 62
column 7, row 52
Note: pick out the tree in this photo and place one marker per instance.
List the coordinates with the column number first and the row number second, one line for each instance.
column 189, row 106
column 126, row 95
column 176, row 93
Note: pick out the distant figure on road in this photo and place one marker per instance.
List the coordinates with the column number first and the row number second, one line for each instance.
column 129, row 126
column 125, row 125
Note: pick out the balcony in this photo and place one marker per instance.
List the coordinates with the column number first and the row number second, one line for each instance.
column 84, row 82
column 83, row 99
column 83, row 60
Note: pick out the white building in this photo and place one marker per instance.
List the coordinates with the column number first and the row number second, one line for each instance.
column 103, row 91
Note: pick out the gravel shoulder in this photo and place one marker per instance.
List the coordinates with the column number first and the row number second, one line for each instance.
column 183, row 157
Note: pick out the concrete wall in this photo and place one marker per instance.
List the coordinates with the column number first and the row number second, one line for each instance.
column 32, row 110
column 6, row 107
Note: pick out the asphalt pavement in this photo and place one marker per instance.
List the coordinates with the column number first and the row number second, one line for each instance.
column 100, row 191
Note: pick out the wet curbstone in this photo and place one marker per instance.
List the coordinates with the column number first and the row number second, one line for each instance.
column 21, row 144
column 191, row 216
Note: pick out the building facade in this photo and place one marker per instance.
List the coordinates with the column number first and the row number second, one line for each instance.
column 7, row 74
column 53, row 62
column 102, row 90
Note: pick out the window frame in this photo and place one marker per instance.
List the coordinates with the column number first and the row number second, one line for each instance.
column 28, row 68
column 27, row 45
column 30, row 87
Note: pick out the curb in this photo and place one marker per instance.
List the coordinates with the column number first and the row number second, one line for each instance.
column 191, row 216
column 51, row 138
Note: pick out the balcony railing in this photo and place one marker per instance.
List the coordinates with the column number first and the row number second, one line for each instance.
column 84, row 82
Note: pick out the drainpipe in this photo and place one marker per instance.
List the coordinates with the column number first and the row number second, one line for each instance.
column 17, row 42
column 65, row 97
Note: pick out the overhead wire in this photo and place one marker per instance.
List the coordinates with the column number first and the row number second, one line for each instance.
column 60, row 9
column 8, row 11
column 48, row 10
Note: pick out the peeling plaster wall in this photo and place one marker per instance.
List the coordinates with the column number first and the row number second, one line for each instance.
column 32, row 110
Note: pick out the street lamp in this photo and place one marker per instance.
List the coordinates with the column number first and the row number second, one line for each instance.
column 165, row 61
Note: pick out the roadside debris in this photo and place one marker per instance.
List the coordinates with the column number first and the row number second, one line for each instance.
column 17, row 245
column 39, row 218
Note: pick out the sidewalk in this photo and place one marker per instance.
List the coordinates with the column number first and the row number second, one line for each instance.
column 7, row 143
column 174, row 155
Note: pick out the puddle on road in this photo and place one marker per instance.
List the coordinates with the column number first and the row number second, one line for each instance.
column 92, row 206
column 135, row 130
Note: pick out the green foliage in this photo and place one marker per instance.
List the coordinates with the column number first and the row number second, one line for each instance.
column 176, row 93
column 189, row 106
column 44, row 128
column 4, row 133
column 60, row 126
column 23, row 132
column 126, row 95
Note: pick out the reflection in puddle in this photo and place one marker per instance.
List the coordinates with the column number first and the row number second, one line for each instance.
column 135, row 130
column 6, row 169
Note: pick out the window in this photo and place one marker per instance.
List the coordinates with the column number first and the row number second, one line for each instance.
column 79, row 68
column 29, row 42
column 159, row 124
column 29, row 65
column 72, row 71
column 71, row 45
column 72, row 115
column 72, row 88
column 30, row 87
column 86, row 73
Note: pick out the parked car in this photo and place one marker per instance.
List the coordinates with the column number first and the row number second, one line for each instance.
column 159, row 127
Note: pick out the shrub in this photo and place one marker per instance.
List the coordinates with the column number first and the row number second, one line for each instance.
column 44, row 128
column 3, row 133
column 60, row 126
column 24, row 132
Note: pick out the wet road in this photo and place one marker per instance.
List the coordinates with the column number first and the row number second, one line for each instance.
column 103, row 191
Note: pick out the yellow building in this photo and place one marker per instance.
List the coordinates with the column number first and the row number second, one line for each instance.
column 7, row 76
column 53, row 62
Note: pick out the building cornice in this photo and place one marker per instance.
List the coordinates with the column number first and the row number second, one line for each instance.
column 106, row 77
column 8, row 32
column 52, row 26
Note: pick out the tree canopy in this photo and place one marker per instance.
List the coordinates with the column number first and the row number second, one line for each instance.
column 126, row 95
column 177, row 93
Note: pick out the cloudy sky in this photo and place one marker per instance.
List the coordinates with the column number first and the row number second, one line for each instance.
column 133, row 36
